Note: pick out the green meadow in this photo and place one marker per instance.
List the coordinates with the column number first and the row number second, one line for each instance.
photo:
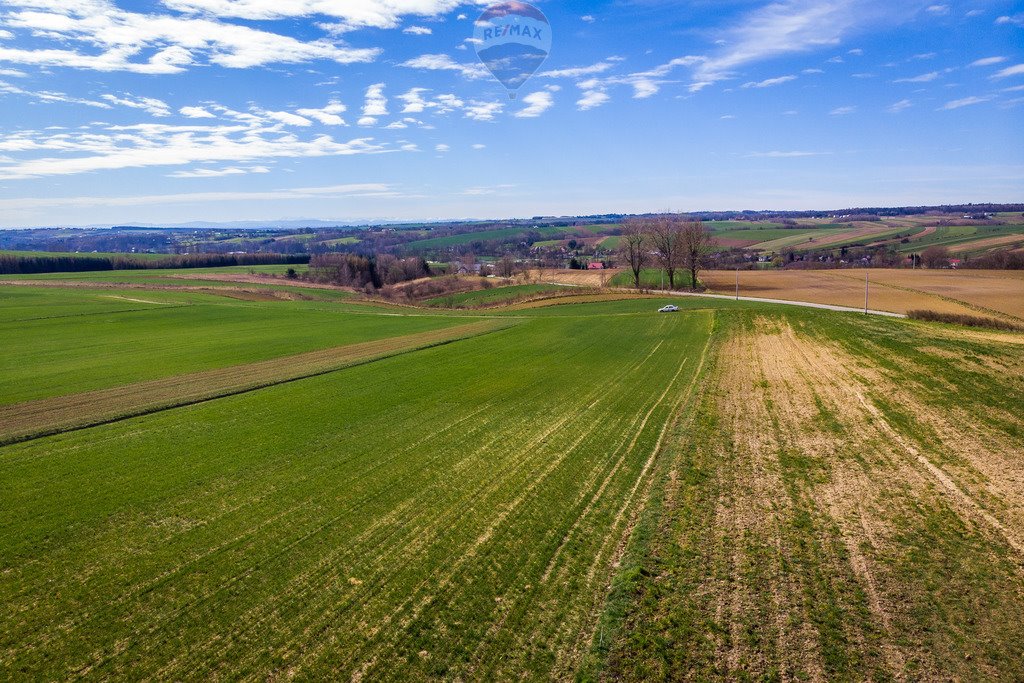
column 575, row 489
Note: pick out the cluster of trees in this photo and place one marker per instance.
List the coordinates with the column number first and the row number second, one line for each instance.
column 11, row 264
column 672, row 242
column 938, row 257
column 369, row 273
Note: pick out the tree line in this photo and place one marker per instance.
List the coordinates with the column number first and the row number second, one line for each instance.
column 12, row 264
column 368, row 273
column 672, row 242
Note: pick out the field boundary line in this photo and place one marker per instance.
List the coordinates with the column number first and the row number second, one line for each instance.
column 46, row 417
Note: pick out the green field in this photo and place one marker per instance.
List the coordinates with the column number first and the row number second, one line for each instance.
column 651, row 278
column 481, row 236
column 490, row 297
column 583, row 490
column 740, row 226
column 958, row 238
column 84, row 254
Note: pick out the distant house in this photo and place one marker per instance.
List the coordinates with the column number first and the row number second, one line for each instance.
column 595, row 265
column 955, row 262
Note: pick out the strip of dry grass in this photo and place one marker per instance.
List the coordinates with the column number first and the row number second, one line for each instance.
column 828, row 516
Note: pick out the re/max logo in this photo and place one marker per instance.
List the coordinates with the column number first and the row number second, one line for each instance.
column 511, row 30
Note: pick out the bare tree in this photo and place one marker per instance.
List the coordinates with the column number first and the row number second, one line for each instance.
column 633, row 246
column 935, row 257
column 695, row 241
column 664, row 233
column 507, row 266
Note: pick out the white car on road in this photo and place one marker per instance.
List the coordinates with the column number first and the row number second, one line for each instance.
column 668, row 309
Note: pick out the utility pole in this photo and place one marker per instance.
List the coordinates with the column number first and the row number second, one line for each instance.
column 866, row 273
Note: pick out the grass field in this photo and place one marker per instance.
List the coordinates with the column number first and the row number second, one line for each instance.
column 481, row 236
column 86, row 254
column 650, row 278
column 574, row 488
column 491, row 297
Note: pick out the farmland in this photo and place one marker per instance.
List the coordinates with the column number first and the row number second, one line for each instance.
column 199, row 486
column 995, row 293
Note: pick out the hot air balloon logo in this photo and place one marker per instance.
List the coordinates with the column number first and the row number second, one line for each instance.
column 512, row 40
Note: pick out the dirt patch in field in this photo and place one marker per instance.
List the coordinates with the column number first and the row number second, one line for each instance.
column 841, row 542
column 583, row 278
column 47, row 416
column 247, row 278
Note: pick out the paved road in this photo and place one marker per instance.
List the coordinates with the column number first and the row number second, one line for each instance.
column 805, row 304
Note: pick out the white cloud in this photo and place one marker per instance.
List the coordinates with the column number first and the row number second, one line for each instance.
column 537, row 103
column 842, row 111
column 812, row 71
column 119, row 39
column 483, row 111
column 442, row 148
column 769, row 82
column 790, row 26
column 965, row 102
column 218, row 172
column 253, row 137
column 196, row 113
column 414, row 102
column 589, row 18
column 578, row 71
column 856, row 52
column 353, row 190
column 350, row 14
column 417, row 30
column 923, row 55
column 328, row 115
column 441, row 62
column 938, row 10
column 50, row 96
column 1009, row 71
column 152, row 105
column 1015, row 20
column 923, row 78
column 287, row 118
column 592, row 99
column 376, row 105
column 417, row 102
column 727, row 117
column 988, row 61
column 975, row 13
column 479, row 146
column 6, row 35
column 897, row 107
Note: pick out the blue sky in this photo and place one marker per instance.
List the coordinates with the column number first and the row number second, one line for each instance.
column 162, row 111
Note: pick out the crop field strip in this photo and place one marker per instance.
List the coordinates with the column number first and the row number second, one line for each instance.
column 418, row 535
column 56, row 356
column 840, row 511
column 32, row 419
